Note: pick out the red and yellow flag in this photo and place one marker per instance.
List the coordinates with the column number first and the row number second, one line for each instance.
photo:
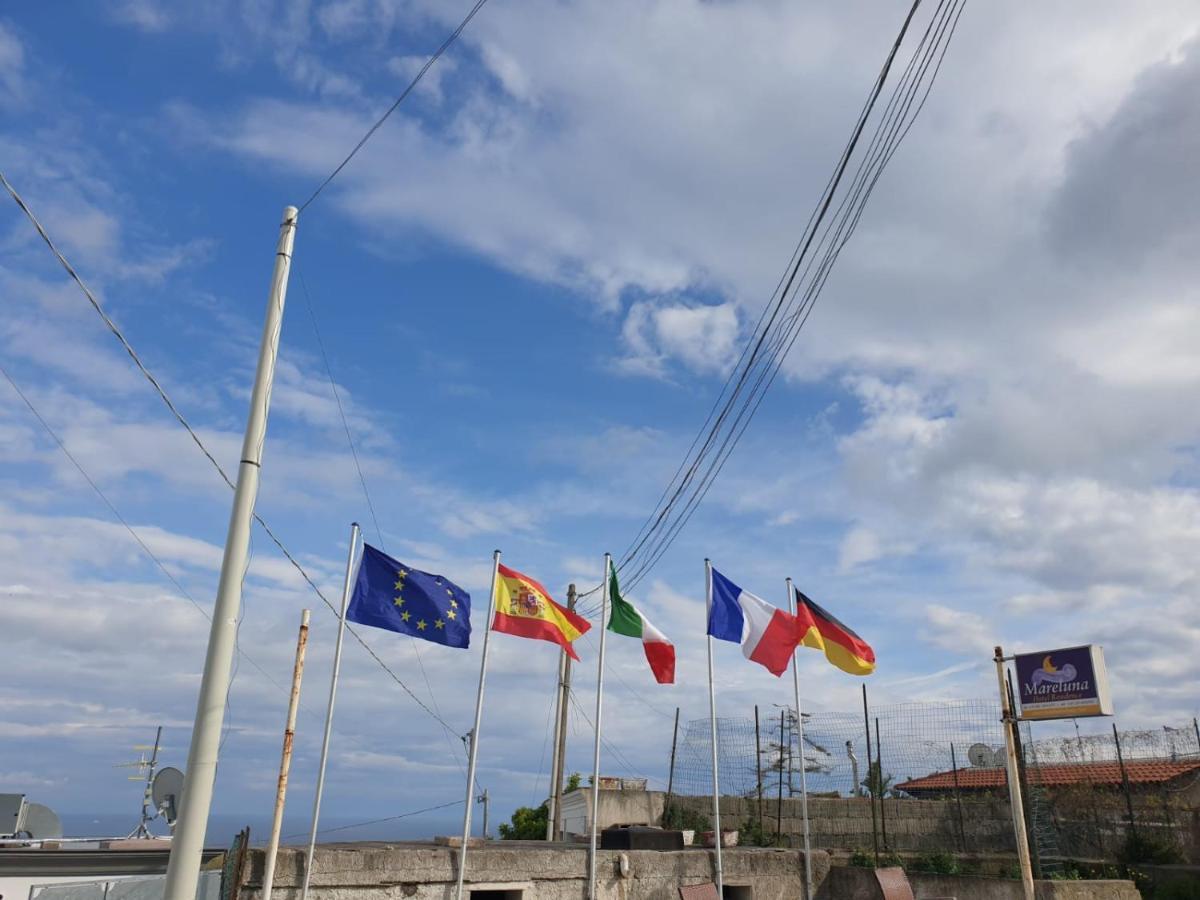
column 818, row 629
column 524, row 608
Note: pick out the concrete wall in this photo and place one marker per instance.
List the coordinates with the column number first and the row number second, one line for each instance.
column 852, row 883
column 368, row 871
column 616, row 808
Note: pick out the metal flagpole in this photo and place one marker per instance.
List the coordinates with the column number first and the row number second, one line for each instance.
column 337, row 665
column 596, row 748
column 1014, row 784
column 183, row 866
column 808, row 884
column 474, row 743
column 712, row 716
column 285, row 763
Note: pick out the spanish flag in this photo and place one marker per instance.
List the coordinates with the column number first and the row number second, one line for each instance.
column 524, row 608
column 821, row 631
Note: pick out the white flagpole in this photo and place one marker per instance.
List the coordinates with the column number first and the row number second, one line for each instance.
column 183, row 866
column 808, row 885
column 712, row 708
column 474, row 745
column 333, row 681
column 596, row 748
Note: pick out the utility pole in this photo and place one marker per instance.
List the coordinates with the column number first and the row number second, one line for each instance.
column 183, row 867
column 554, row 820
column 483, row 798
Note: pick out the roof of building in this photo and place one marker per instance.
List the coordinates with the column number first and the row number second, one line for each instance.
column 1139, row 771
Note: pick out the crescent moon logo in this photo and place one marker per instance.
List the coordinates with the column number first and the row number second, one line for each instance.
column 1048, row 666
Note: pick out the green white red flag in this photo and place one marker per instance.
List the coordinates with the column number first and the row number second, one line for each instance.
column 628, row 620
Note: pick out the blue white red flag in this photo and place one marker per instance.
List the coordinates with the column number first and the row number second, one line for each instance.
column 768, row 635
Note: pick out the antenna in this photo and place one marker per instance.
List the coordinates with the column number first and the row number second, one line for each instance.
column 145, row 769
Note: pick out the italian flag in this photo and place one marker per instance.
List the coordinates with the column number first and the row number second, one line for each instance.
column 626, row 619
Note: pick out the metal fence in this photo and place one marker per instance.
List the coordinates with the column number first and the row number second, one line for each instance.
column 929, row 778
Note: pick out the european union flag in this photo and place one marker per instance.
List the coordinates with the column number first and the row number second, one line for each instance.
column 391, row 595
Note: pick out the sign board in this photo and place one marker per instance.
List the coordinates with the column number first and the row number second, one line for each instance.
column 1063, row 684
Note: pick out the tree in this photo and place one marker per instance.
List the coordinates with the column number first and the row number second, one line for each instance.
column 528, row 824
column 877, row 784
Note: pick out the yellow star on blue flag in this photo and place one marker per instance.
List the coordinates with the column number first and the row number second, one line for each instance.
column 396, row 597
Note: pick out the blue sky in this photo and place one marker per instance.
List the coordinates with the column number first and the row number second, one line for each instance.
column 530, row 286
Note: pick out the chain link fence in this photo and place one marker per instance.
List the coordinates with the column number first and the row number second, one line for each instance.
column 922, row 779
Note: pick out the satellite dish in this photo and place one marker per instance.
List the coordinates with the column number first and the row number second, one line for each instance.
column 41, row 823
column 980, row 756
column 166, row 790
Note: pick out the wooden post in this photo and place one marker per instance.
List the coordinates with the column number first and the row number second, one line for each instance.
column 779, row 802
column 879, row 758
column 671, row 774
column 289, row 734
column 962, row 834
column 1125, row 783
column 758, row 766
column 870, row 786
column 1035, row 856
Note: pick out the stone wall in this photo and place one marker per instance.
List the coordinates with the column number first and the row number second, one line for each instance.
column 369, row 871
column 912, row 825
column 851, row 883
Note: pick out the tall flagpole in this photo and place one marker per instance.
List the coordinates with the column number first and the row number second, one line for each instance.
column 808, row 884
column 187, row 846
column 333, row 682
column 474, row 745
column 596, row 748
column 712, row 710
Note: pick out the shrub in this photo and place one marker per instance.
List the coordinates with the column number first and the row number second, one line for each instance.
column 1141, row 848
column 751, row 833
column 938, row 863
column 685, row 818
column 862, row 859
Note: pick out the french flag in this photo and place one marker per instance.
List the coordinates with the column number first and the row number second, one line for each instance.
column 768, row 635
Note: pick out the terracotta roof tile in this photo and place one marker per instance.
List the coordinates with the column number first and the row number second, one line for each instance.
column 1140, row 771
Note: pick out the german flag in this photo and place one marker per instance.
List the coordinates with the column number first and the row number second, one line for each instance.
column 818, row 629
column 524, row 609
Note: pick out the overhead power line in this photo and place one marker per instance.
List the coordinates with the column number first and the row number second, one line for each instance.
column 125, row 522
column 391, row 109
column 831, row 225
column 362, row 480
column 183, row 422
column 407, row 815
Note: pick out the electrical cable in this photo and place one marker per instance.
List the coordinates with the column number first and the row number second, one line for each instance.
column 407, row 815
column 391, row 109
column 603, row 743
column 179, row 417
column 125, row 522
column 414, row 642
column 793, row 303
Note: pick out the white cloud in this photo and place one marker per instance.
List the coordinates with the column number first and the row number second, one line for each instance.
column 958, row 631
column 12, row 67
column 145, row 15
column 859, row 546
